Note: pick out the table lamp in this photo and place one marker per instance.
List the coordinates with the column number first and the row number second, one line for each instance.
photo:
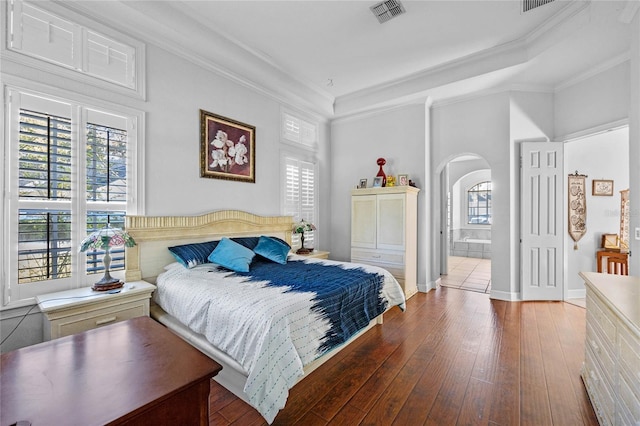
column 300, row 228
column 104, row 239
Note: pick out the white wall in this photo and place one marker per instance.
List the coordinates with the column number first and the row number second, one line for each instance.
column 603, row 156
column 596, row 101
column 397, row 135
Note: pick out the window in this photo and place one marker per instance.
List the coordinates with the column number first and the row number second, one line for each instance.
column 71, row 171
column 479, row 204
column 299, row 174
column 55, row 37
column 299, row 131
column 300, row 195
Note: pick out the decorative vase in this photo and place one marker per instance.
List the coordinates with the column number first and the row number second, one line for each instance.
column 381, row 162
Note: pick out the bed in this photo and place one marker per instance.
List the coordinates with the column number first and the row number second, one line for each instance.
column 269, row 325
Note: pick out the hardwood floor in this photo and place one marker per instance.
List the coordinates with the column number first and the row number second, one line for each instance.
column 454, row 357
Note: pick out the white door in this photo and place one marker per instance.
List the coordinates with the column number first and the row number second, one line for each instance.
column 541, row 208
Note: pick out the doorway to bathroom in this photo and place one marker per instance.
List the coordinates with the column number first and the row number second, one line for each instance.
column 469, row 221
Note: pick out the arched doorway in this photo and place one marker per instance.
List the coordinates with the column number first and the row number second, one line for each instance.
column 467, row 214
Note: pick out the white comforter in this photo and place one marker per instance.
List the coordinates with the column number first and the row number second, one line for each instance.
column 271, row 333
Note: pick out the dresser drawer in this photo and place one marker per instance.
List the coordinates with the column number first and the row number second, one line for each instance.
column 599, row 389
column 601, row 319
column 629, row 355
column 629, row 399
column 377, row 256
column 602, row 355
column 97, row 318
column 397, row 272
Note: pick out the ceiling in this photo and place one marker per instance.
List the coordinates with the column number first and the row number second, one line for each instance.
column 335, row 56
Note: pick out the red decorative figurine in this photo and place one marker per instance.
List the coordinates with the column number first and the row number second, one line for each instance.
column 381, row 162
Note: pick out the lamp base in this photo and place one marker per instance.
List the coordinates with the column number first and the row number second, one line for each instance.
column 107, row 286
column 304, row 251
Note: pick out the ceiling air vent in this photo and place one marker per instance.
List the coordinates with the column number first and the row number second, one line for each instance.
column 527, row 5
column 386, row 10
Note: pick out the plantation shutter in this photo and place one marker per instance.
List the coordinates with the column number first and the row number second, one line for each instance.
column 299, row 131
column 300, row 195
column 45, row 156
column 55, row 39
column 70, row 176
column 41, row 34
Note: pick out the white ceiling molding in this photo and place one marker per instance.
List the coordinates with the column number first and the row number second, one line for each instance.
column 485, row 62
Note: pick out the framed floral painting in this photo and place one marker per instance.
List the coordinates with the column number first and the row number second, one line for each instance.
column 227, row 148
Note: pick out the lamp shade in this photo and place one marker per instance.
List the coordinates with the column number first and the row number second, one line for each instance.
column 106, row 238
column 302, row 227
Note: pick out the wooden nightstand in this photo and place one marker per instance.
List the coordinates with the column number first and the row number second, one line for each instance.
column 318, row 254
column 72, row 311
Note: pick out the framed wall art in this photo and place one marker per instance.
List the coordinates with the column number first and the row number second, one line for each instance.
column 602, row 187
column 227, row 148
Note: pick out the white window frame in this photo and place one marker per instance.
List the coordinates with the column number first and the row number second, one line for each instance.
column 300, row 146
column 14, row 294
column 79, row 68
column 467, row 216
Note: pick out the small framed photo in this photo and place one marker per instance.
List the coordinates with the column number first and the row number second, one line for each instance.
column 403, row 180
column 362, row 184
column 602, row 187
column 377, row 182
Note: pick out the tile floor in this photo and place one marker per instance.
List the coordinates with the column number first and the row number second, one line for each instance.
column 468, row 273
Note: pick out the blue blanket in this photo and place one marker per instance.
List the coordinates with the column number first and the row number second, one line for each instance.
column 348, row 298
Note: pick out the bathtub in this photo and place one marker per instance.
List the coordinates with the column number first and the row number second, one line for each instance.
column 471, row 247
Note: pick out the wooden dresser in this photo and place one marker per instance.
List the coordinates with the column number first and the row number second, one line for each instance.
column 611, row 370
column 384, row 232
column 133, row 372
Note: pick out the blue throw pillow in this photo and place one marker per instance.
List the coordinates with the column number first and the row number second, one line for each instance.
column 273, row 249
column 232, row 255
column 190, row 255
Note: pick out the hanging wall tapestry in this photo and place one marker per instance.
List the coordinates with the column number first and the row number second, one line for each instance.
column 577, row 208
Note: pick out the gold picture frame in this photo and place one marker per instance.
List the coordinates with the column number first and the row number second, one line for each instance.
column 227, row 148
column 602, row 187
